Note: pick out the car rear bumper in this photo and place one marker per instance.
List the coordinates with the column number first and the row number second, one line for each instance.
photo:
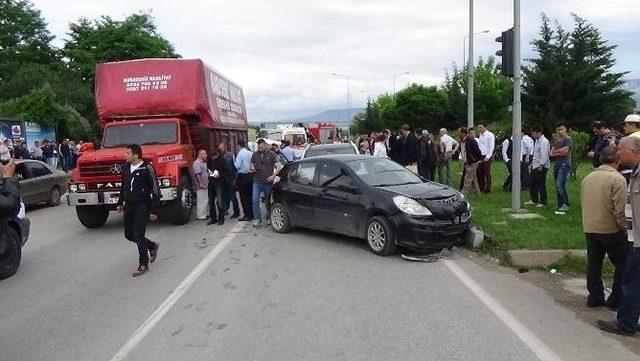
column 111, row 198
column 422, row 234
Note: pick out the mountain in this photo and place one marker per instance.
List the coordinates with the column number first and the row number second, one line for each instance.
column 331, row 116
column 633, row 85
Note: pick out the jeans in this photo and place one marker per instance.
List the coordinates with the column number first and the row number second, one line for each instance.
column 629, row 308
column 617, row 247
column 560, row 174
column 538, row 190
column 260, row 188
column 135, row 227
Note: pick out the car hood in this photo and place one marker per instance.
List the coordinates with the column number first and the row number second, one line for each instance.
column 427, row 190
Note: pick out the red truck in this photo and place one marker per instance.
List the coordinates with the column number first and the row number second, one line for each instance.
column 172, row 108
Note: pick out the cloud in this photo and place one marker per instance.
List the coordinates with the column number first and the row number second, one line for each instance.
column 283, row 52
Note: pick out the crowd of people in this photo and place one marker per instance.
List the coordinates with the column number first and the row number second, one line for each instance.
column 66, row 153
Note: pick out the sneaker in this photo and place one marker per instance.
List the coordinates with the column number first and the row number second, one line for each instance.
column 563, row 208
column 530, row 203
column 540, row 205
column 153, row 254
column 257, row 223
column 613, row 327
column 140, row 271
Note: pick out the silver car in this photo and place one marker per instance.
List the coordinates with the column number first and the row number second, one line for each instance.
column 40, row 183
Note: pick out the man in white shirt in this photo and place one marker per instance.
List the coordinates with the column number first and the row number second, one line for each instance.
column 539, row 166
column 487, row 143
column 507, row 153
column 449, row 147
column 527, row 155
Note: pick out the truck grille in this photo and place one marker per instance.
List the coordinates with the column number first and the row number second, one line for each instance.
column 101, row 169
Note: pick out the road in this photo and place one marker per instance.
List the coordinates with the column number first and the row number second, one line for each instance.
column 236, row 293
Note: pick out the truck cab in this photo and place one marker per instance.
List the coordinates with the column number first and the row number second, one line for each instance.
column 166, row 143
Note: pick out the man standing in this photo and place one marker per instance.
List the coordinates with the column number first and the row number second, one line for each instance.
column 5, row 152
column 629, row 305
column 48, row 153
column 450, row 146
column 422, row 154
column 604, row 196
column 202, row 184
column 287, row 151
column 265, row 165
column 473, row 156
column 527, row 155
column 561, row 155
column 406, row 146
column 364, row 148
column 487, row 143
column 36, row 151
column 65, row 155
column 245, row 180
column 507, row 154
column 539, row 168
column 224, row 172
column 605, row 136
column 632, row 125
column 139, row 198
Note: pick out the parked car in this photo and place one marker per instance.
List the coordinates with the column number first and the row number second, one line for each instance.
column 372, row 198
column 329, row 149
column 41, row 183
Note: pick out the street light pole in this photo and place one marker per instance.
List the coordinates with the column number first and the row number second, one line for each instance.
column 464, row 46
column 517, row 109
column 348, row 95
column 470, row 70
column 394, row 80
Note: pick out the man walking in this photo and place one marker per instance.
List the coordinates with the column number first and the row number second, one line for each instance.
column 604, row 196
column 449, row 147
column 629, row 304
column 487, row 143
column 539, row 168
column 561, row 155
column 473, row 156
column 139, row 198
column 202, row 184
column 265, row 165
column 245, row 180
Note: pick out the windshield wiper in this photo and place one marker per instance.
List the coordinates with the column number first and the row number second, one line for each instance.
column 153, row 143
column 393, row 184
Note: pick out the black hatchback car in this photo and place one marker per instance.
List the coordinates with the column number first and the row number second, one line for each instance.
column 371, row 198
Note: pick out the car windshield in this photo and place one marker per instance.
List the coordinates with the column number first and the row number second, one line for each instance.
column 380, row 172
column 143, row 134
column 320, row 150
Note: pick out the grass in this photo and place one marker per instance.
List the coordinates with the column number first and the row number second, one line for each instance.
column 506, row 233
column 576, row 266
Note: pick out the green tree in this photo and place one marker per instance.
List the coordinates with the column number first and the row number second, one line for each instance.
column 571, row 79
column 24, row 37
column 106, row 39
column 420, row 106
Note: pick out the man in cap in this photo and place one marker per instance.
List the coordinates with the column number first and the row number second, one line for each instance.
column 632, row 125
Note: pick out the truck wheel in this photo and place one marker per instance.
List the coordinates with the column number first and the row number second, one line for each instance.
column 92, row 216
column 54, row 197
column 10, row 253
column 184, row 204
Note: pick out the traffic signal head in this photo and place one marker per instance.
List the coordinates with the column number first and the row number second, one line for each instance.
column 506, row 66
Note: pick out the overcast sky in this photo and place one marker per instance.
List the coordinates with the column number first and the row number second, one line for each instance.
column 283, row 52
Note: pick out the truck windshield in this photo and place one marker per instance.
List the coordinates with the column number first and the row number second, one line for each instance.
column 143, row 134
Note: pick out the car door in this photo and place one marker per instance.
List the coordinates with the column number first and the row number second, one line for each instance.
column 43, row 181
column 339, row 205
column 302, row 192
column 28, row 189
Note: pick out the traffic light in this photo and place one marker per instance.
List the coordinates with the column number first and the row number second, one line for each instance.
column 506, row 66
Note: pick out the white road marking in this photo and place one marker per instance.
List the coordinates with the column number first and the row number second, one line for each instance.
column 177, row 293
column 541, row 350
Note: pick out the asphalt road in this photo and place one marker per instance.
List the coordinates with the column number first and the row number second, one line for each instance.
column 235, row 293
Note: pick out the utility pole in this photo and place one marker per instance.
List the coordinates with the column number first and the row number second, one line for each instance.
column 470, row 70
column 517, row 110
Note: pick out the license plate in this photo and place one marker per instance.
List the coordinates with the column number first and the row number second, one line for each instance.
column 111, row 200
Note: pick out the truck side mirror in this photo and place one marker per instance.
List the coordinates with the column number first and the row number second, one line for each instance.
column 87, row 147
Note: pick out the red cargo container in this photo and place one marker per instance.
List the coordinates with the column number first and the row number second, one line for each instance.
column 172, row 107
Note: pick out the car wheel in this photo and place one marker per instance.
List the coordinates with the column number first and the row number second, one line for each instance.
column 10, row 252
column 92, row 216
column 54, row 197
column 184, row 204
column 380, row 237
column 280, row 219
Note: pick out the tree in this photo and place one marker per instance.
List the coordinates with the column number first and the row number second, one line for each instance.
column 24, row 37
column 571, row 79
column 421, row 106
column 107, row 40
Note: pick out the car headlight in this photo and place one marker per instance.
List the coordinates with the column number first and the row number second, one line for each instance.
column 73, row 188
column 411, row 206
column 82, row 187
column 166, row 182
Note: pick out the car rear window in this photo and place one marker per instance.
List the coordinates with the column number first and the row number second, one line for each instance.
column 320, row 151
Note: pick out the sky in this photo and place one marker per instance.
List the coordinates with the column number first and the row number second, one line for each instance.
column 284, row 52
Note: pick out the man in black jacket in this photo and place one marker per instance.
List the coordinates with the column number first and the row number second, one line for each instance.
column 223, row 176
column 139, row 198
column 473, row 156
column 407, row 146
